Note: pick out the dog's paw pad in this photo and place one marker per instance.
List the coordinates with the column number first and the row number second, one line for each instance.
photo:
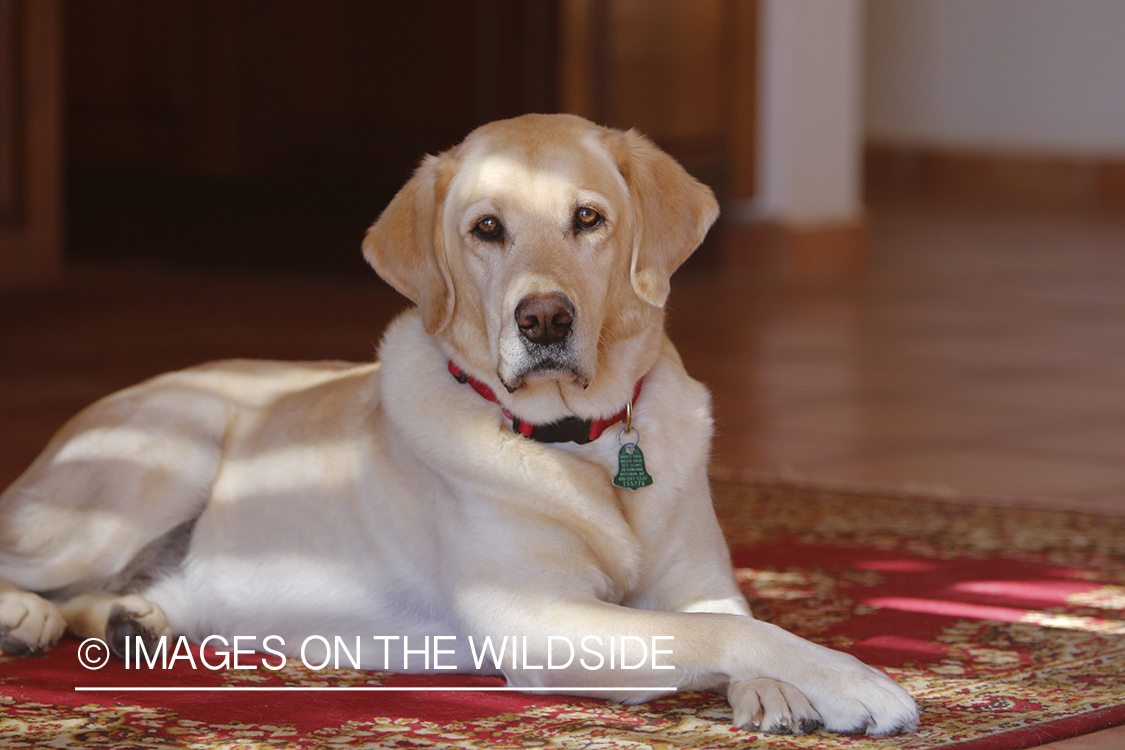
column 134, row 617
column 15, row 647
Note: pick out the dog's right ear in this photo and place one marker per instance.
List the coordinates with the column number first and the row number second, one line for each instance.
column 406, row 245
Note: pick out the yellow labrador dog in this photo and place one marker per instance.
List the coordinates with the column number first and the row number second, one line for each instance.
column 517, row 487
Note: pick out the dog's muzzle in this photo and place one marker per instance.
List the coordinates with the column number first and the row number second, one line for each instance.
column 545, row 323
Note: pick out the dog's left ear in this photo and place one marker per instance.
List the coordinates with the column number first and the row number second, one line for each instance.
column 406, row 245
column 672, row 212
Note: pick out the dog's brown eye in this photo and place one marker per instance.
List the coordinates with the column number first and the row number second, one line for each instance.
column 489, row 229
column 586, row 218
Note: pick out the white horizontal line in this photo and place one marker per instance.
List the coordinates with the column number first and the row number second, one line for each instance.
column 369, row 688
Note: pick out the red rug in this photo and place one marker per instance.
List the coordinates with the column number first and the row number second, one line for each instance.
column 1007, row 625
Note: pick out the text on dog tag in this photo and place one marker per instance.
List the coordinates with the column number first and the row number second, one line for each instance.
column 631, row 472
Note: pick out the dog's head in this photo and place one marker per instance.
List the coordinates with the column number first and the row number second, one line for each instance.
column 539, row 251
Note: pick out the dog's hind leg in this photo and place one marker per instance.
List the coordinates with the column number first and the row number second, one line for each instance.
column 105, row 510
column 29, row 624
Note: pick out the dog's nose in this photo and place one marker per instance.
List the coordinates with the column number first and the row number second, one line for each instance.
column 545, row 318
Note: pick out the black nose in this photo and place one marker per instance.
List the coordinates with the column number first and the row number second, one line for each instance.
column 545, row 318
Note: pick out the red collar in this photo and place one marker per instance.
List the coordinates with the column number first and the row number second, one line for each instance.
column 566, row 430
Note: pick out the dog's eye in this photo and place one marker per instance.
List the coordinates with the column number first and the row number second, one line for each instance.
column 489, row 229
column 586, row 218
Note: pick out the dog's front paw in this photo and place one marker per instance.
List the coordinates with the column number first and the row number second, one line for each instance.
column 29, row 624
column 853, row 698
column 765, row 705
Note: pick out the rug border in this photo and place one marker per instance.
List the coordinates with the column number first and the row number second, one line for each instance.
column 1042, row 734
column 903, row 491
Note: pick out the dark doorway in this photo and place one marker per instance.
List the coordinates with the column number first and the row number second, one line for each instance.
column 268, row 134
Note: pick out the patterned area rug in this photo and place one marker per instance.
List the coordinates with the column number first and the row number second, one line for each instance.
column 1007, row 625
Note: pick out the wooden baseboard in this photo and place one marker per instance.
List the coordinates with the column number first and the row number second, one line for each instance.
column 796, row 255
column 1008, row 179
column 1111, row 185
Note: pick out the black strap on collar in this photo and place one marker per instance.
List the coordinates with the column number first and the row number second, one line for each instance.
column 565, row 430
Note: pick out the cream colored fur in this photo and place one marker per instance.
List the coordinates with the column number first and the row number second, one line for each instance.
column 390, row 499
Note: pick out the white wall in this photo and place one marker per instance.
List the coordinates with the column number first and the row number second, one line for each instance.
column 810, row 135
column 997, row 75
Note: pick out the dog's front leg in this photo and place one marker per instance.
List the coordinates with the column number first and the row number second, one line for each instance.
column 631, row 655
column 761, row 704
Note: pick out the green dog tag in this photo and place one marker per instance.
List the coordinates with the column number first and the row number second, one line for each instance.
column 631, row 472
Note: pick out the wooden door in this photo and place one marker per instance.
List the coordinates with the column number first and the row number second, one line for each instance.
column 681, row 72
column 31, row 192
column 268, row 134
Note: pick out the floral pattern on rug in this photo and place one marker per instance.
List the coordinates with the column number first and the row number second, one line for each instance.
column 1007, row 625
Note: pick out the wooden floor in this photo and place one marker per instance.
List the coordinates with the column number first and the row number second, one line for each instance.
column 981, row 354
